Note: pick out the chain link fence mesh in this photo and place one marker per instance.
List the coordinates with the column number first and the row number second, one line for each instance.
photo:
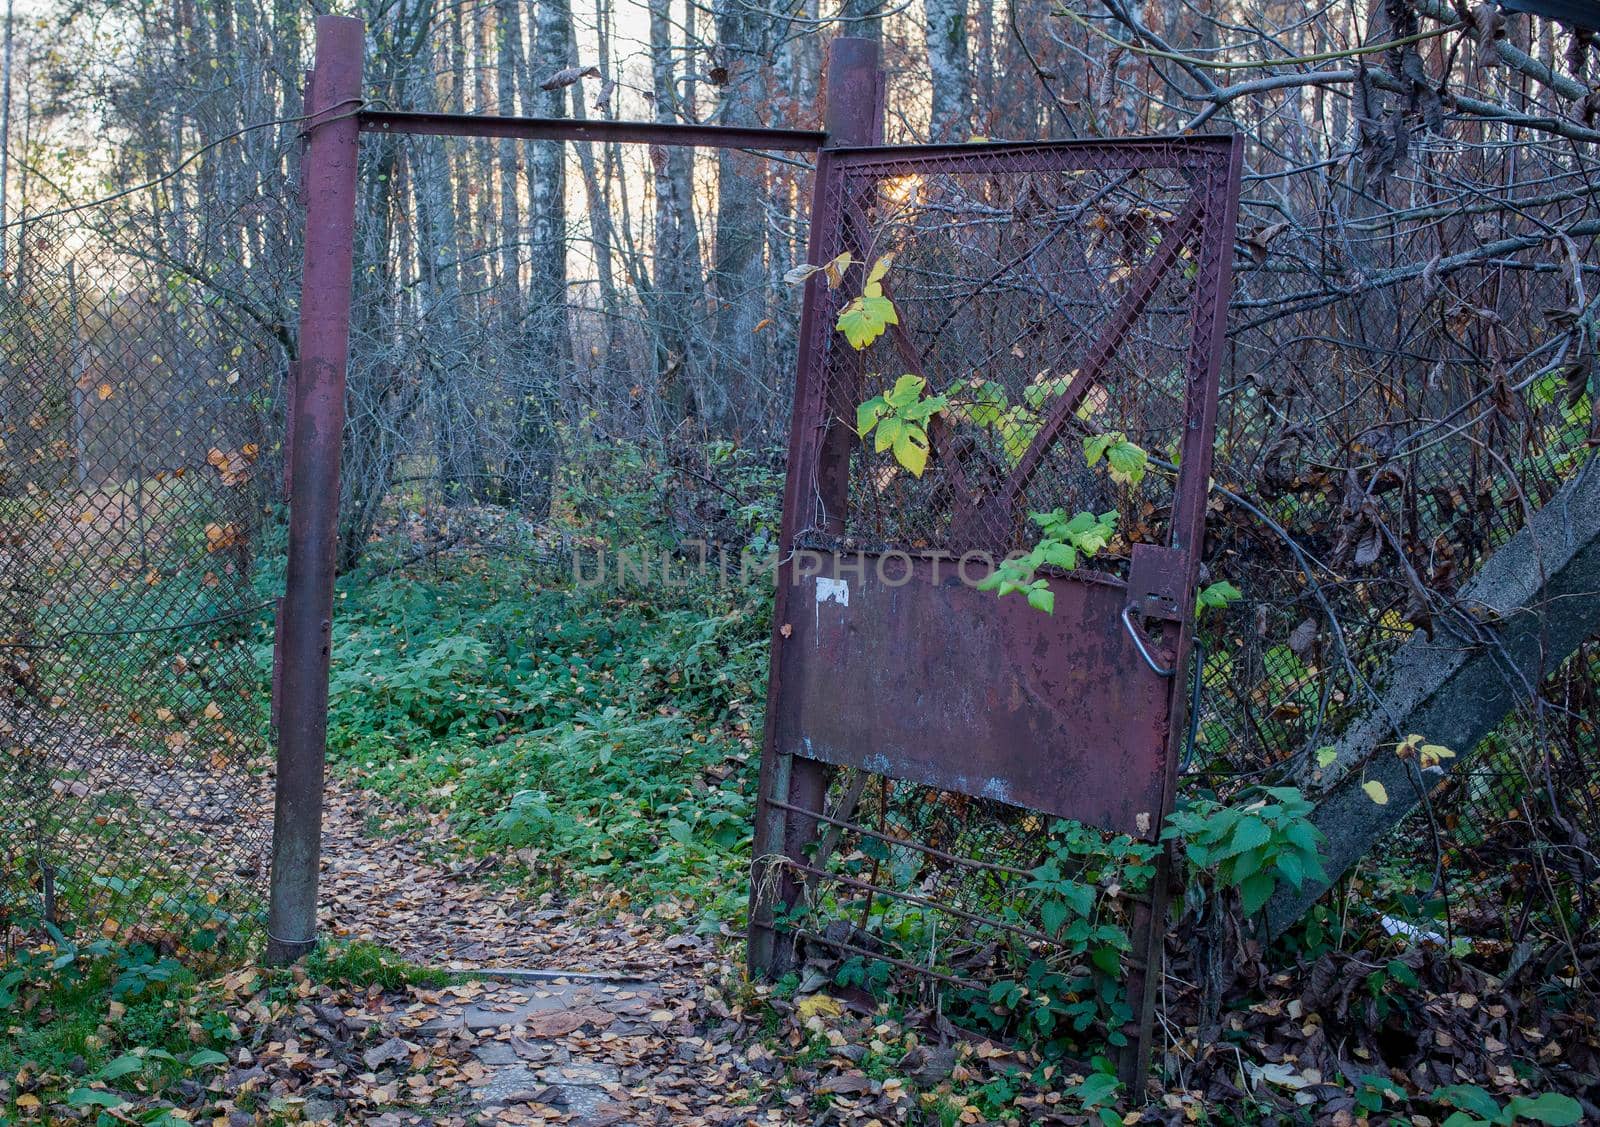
column 134, row 793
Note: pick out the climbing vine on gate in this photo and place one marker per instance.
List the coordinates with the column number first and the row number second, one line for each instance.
column 898, row 421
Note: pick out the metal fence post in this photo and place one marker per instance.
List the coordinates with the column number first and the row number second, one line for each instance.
column 853, row 116
column 317, row 413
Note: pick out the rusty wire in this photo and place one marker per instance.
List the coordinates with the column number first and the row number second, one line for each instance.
column 133, row 785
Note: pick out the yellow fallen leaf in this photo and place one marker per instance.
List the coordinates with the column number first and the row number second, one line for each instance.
column 1375, row 791
column 1434, row 754
column 104, row 391
column 817, row 1005
column 221, row 536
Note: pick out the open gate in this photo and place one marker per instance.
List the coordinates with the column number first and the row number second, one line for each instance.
column 1063, row 306
column 930, row 745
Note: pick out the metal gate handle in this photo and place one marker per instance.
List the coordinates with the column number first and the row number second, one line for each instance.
column 1138, row 641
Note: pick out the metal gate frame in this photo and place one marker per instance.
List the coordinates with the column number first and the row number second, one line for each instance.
column 792, row 786
column 336, row 115
column 852, row 686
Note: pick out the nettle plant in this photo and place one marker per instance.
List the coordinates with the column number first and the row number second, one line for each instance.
column 900, row 418
column 1078, row 892
column 898, row 421
column 1253, row 846
column 1063, row 542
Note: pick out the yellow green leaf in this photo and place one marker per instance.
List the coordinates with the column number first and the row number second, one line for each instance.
column 888, row 434
column 911, row 448
column 817, row 1005
column 1375, row 791
column 1434, row 754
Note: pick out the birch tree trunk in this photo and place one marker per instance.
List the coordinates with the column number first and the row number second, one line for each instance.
column 675, row 290
column 548, row 350
column 598, row 206
column 862, row 19
column 947, row 69
column 738, row 280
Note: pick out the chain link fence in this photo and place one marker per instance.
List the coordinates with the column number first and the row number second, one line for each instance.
column 134, row 791
column 1404, row 383
column 1410, row 377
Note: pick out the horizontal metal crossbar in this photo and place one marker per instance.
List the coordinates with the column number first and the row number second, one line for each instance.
column 905, row 843
column 1102, row 153
column 923, row 902
column 566, row 129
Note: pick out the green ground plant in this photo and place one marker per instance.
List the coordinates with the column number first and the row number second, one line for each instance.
column 101, row 1024
column 596, row 730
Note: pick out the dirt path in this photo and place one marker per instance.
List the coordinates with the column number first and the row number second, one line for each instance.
column 618, row 1040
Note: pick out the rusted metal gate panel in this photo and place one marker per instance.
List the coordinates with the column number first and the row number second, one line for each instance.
column 1053, row 293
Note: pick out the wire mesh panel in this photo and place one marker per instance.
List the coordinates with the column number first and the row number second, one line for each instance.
column 996, row 483
column 1046, row 304
column 1378, row 442
column 133, row 799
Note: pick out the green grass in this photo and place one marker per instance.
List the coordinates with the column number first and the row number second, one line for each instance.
column 360, row 965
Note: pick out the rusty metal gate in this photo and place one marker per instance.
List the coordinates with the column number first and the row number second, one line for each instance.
column 1060, row 308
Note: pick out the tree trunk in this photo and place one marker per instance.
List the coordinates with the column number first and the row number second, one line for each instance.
column 738, row 280
column 862, row 19
column 947, row 69
column 676, row 293
column 530, row 474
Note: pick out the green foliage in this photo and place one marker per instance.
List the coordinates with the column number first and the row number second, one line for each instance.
column 900, row 417
column 1126, row 461
column 95, row 1023
column 1098, row 1092
column 1252, row 846
column 981, row 402
column 1065, row 540
column 1479, row 1109
column 602, row 733
column 1216, row 596
column 1371, row 1091
column 1076, row 893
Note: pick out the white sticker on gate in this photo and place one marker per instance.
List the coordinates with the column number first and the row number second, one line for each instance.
column 833, row 590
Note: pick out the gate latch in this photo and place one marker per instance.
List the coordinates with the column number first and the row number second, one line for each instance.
column 1156, row 580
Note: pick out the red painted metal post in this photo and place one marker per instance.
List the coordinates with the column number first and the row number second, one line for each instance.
column 317, row 414
column 853, row 116
column 1213, row 288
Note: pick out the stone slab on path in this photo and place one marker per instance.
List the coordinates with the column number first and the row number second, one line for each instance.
column 523, row 1031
